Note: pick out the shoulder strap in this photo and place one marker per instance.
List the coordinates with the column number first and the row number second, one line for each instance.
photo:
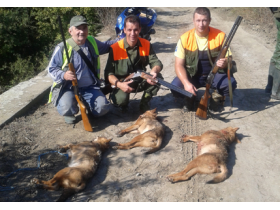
column 76, row 47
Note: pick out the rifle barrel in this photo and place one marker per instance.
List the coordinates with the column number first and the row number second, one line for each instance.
column 226, row 45
column 233, row 30
column 63, row 38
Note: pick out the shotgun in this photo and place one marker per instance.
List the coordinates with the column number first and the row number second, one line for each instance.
column 201, row 111
column 146, row 76
column 85, row 119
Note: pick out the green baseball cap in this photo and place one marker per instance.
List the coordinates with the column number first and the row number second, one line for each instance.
column 78, row 20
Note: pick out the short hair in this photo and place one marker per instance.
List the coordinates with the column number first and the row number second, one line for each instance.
column 203, row 11
column 132, row 19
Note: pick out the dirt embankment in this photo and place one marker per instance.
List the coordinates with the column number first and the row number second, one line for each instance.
column 130, row 175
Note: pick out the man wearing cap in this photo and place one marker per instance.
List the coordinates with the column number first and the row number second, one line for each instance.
column 62, row 94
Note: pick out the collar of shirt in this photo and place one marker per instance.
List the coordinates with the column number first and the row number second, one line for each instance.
column 126, row 45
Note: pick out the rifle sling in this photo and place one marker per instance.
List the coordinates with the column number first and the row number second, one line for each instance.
column 76, row 47
column 230, row 92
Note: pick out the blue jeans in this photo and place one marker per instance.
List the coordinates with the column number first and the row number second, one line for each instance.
column 93, row 99
column 220, row 83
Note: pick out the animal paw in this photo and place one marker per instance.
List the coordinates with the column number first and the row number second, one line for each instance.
column 34, row 181
column 170, row 178
column 60, row 148
column 184, row 138
column 115, row 147
column 119, row 134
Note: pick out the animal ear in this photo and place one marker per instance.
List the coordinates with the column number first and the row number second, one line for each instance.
column 154, row 110
column 108, row 140
column 142, row 115
column 235, row 129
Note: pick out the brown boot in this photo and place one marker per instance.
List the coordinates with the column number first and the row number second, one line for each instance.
column 217, row 102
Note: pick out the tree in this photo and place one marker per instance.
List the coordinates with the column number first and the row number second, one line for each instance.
column 28, row 35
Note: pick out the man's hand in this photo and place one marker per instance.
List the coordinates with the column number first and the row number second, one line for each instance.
column 182, row 75
column 190, row 88
column 69, row 75
column 154, row 74
column 222, row 63
column 124, row 86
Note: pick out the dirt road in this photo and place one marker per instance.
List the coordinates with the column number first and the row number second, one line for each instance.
column 131, row 176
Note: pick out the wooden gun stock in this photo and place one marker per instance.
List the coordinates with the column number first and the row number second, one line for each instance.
column 147, row 76
column 129, row 77
column 142, row 74
column 201, row 111
column 83, row 109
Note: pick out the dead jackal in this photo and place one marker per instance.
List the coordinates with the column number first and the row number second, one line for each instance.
column 212, row 155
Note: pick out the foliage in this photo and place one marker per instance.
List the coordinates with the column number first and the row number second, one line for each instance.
column 28, row 36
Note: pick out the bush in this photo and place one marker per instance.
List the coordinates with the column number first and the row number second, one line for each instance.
column 29, row 35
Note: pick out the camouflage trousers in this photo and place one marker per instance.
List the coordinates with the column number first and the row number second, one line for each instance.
column 273, row 81
column 276, row 55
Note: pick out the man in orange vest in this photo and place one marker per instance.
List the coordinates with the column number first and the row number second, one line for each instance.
column 128, row 55
column 195, row 53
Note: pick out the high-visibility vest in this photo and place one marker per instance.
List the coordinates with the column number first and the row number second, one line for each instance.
column 188, row 40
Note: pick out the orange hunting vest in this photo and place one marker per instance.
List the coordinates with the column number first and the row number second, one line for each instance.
column 120, row 53
column 122, row 63
column 188, row 40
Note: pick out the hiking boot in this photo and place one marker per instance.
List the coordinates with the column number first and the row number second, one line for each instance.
column 144, row 103
column 70, row 119
column 217, row 102
column 123, row 109
column 273, row 82
column 275, row 97
column 189, row 106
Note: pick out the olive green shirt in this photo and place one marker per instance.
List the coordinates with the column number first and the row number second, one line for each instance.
column 123, row 68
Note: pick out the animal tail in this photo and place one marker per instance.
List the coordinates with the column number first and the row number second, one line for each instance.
column 221, row 176
column 154, row 149
column 66, row 193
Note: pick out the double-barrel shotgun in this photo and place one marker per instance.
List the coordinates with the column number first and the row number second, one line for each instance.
column 201, row 111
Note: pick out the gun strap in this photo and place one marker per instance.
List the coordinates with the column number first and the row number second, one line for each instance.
column 230, row 92
column 131, row 65
column 230, row 86
column 77, row 48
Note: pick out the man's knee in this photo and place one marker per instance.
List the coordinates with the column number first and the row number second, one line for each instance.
column 120, row 98
column 67, row 104
column 67, row 108
column 101, row 106
column 224, row 91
